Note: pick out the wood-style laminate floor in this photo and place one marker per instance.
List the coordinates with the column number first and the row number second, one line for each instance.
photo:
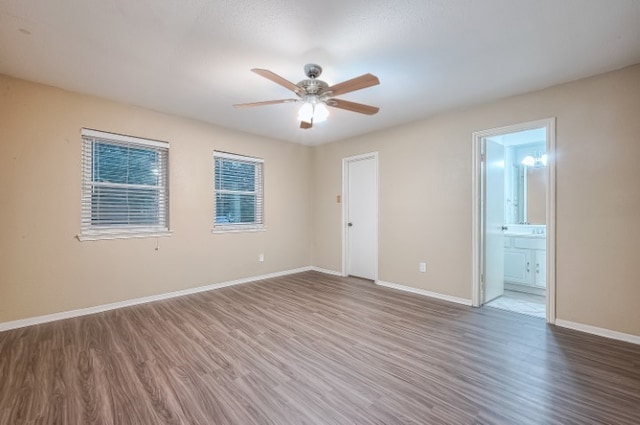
column 313, row 349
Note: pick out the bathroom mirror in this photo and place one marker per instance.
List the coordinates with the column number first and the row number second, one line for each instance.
column 531, row 194
column 526, row 183
column 525, row 175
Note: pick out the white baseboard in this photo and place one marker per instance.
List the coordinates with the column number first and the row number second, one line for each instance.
column 634, row 339
column 424, row 292
column 326, row 271
column 112, row 306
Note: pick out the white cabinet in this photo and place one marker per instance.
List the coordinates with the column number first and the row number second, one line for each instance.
column 541, row 268
column 517, row 265
column 525, row 261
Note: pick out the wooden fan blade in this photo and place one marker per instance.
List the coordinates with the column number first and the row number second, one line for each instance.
column 277, row 79
column 358, row 83
column 352, row 106
column 305, row 125
column 267, row 102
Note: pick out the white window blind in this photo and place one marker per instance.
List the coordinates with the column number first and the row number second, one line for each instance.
column 124, row 186
column 238, row 187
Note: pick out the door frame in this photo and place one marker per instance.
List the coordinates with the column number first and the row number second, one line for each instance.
column 345, row 205
column 478, row 214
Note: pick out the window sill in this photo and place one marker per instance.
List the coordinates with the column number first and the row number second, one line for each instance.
column 238, row 229
column 122, row 234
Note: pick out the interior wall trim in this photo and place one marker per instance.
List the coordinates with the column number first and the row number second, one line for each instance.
column 594, row 330
column 424, row 292
column 326, row 271
column 21, row 323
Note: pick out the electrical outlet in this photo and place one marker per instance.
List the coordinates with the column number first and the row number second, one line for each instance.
column 261, row 258
column 423, row 267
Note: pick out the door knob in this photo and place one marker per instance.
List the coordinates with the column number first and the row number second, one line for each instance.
column 349, row 224
column 503, row 228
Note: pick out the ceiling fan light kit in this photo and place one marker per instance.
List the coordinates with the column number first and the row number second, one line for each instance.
column 315, row 95
column 313, row 110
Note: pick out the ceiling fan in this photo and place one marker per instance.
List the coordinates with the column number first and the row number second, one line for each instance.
column 315, row 95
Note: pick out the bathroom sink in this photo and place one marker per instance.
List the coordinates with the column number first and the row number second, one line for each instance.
column 525, row 230
column 526, row 235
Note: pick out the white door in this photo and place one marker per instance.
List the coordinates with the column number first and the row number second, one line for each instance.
column 494, row 220
column 361, row 216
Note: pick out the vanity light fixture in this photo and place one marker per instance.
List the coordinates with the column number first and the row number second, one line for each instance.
column 537, row 160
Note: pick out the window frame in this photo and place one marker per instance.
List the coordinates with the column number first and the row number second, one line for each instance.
column 90, row 231
column 259, row 224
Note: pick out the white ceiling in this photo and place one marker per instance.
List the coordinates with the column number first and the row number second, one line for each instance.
column 192, row 57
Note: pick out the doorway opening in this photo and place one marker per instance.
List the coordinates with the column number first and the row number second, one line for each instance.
column 360, row 216
column 514, row 218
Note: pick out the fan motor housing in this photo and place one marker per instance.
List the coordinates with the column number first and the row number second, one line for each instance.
column 313, row 86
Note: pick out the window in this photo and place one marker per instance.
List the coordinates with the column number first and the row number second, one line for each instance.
column 238, row 192
column 124, row 186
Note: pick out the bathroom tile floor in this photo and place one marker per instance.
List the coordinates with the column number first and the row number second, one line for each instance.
column 520, row 302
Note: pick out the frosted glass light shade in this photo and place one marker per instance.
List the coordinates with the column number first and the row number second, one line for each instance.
column 313, row 112
column 529, row 161
column 320, row 113
column 306, row 112
column 536, row 160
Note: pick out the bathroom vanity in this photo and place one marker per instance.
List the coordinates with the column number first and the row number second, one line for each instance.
column 525, row 256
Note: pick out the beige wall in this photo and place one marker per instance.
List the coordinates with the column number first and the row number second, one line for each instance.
column 425, row 201
column 45, row 269
column 425, row 197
